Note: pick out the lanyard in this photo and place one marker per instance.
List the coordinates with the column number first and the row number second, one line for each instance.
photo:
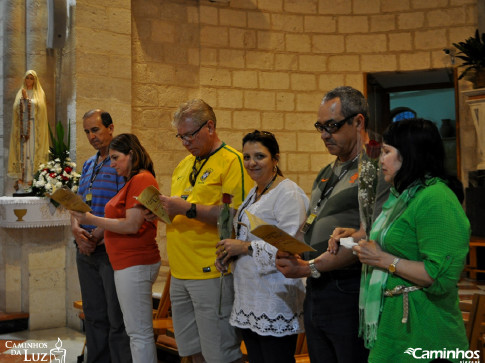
column 96, row 169
column 332, row 183
column 195, row 172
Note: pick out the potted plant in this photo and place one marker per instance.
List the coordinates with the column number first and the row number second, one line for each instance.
column 472, row 52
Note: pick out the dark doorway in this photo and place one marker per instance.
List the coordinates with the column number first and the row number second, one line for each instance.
column 429, row 94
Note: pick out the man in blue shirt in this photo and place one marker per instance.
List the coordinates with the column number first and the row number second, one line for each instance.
column 106, row 338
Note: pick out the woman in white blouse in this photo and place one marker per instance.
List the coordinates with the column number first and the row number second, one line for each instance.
column 268, row 308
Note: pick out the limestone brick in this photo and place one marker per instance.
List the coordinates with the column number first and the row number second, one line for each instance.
column 333, row 7
column 319, row 160
column 174, row 54
column 94, row 64
column 303, row 82
column 94, row 41
column 270, row 5
column 301, row 6
column 366, row 6
column 186, row 75
column 271, row 121
column 274, row 80
column 187, row 35
column 400, row 41
column 285, row 101
column 298, row 162
column 94, row 17
column 382, row 23
column 271, row 40
column 287, row 23
column 320, row 24
column 259, row 60
column 215, row 77
column 154, row 73
column 119, row 20
column 366, row 43
column 355, row 79
column 144, row 9
column 208, row 15
column 258, row 20
column 163, row 31
column 259, row 100
column 310, row 141
column 413, row 61
column 338, row 63
column 231, row 17
column 208, row 94
column 371, row 63
column 329, row 81
column 414, row 20
column 418, row 4
column 245, row 79
column 459, row 34
column 246, row 120
column 430, row 39
column 298, row 43
column 224, row 118
column 193, row 56
column 208, row 57
column 353, row 24
column 244, row 4
column 285, row 61
column 193, row 15
column 307, row 101
column 328, row 44
column 462, row 2
column 302, row 121
column 47, row 308
column 169, row 96
column 230, row 98
column 395, row 5
column 173, row 10
column 286, row 140
column 232, row 58
column 305, row 181
column 242, row 38
column 445, row 17
column 312, row 63
column 214, row 36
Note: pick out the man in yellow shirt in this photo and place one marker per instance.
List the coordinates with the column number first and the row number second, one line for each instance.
column 201, row 319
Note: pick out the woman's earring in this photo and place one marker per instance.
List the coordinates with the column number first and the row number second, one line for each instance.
column 275, row 168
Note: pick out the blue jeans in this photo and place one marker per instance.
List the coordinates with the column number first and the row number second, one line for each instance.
column 106, row 338
column 332, row 318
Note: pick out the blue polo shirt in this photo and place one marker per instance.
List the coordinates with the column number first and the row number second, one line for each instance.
column 105, row 184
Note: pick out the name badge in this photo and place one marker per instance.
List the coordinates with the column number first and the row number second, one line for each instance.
column 309, row 221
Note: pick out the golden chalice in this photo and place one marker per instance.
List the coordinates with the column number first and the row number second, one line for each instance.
column 20, row 213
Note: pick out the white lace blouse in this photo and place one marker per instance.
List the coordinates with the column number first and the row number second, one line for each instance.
column 265, row 301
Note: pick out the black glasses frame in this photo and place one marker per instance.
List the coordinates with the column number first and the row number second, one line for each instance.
column 191, row 136
column 332, row 126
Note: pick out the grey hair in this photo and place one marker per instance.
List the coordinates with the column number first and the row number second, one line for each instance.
column 196, row 110
column 352, row 102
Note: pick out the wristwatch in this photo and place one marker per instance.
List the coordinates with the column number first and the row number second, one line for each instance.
column 250, row 249
column 313, row 269
column 192, row 212
column 392, row 266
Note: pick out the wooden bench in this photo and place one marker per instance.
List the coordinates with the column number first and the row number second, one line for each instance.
column 472, row 266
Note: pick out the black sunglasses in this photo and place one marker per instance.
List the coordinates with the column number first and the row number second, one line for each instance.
column 332, row 126
column 191, row 136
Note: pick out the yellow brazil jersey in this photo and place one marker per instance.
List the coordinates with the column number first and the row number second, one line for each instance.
column 191, row 244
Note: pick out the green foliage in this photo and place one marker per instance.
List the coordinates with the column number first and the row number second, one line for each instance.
column 59, row 149
column 472, row 52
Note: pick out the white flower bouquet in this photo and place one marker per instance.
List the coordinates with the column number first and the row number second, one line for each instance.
column 59, row 171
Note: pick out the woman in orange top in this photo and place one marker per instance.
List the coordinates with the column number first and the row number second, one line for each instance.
column 130, row 243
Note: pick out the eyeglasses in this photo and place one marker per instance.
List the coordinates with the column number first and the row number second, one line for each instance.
column 191, row 136
column 332, row 126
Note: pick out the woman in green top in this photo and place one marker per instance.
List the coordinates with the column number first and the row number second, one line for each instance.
column 415, row 255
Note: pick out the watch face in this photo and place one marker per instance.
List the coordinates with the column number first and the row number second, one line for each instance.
column 392, row 269
column 191, row 213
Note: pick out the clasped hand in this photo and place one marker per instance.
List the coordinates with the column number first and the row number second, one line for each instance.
column 369, row 252
column 227, row 250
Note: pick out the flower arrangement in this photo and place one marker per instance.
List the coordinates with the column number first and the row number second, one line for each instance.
column 59, row 171
column 368, row 177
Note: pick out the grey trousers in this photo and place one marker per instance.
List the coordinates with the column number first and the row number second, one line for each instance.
column 106, row 338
